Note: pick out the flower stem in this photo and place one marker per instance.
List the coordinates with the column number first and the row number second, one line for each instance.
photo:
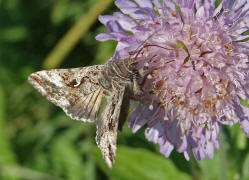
column 71, row 38
column 223, row 156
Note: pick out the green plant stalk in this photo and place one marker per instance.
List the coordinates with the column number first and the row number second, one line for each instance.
column 223, row 156
column 6, row 154
column 25, row 173
column 71, row 38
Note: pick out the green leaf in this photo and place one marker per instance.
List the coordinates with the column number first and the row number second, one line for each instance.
column 245, row 33
column 245, row 168
column 178, row 8
column 228, row 155
column 90, row 168
column 85, row 147
column 134, row 163
column 25, row 173
column 243, row 40
column 60, row 11
column 222, row 166
column 41, row 162
column 237, row 137
column 241, row 140
column 6, row 155
column 217, row 3
column 181, row 45
column 210, row 167
column 13, row 34
column 67, row 161
column 244, row 102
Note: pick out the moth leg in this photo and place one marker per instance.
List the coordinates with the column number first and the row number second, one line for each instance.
column 107, row 127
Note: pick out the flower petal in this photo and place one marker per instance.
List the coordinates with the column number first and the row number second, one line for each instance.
column 245, row 126
column 166, row 148
column 200, row 13
column 145, row 3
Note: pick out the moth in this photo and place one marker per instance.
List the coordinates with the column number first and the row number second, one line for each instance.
column 81, row 91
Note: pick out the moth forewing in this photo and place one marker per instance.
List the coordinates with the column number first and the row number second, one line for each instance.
column 107, row 127
column 75, row 90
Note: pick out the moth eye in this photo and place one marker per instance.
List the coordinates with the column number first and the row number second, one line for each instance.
column 95, row 74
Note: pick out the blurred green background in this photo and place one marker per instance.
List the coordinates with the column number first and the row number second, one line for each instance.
column 38, row 141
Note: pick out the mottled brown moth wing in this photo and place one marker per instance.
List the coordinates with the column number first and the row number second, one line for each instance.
column 80, row 91
column 107, row 126
column 76, row 91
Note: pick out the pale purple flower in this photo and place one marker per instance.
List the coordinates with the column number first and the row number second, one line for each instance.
column 192, row 56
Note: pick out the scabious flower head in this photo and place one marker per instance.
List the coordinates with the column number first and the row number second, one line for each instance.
column 192, row 58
